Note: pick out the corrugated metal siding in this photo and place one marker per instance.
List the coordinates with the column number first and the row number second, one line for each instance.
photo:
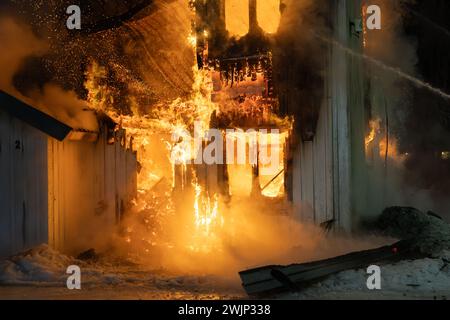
column 23, row 186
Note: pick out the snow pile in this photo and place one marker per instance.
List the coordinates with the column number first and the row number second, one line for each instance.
column 405, row 277
column 43, row 266
column 37, row 265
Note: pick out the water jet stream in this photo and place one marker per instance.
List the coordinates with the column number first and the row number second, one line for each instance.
column 417, row 82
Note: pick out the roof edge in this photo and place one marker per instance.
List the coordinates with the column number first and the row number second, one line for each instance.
column 34, row 117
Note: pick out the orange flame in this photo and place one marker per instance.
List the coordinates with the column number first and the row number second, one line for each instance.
column 374, row 126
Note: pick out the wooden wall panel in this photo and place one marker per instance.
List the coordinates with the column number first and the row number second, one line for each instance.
column 323, row 168
column 23, row 186
column 61, row 193
column 6, row 236
column 91, row 183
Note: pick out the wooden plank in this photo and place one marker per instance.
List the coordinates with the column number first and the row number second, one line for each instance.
column 5, row 185
column 320, row 155
column 51, row 194
column 35, row 178
column 329, row 151
column 110, row 182
column 307, row 181
column 58, row 149
column 297, row 183
column 99, row 176
column 17, row 182
column 271, row 279
column 341, row 135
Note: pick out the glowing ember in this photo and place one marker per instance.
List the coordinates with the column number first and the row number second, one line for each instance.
column 364, row 26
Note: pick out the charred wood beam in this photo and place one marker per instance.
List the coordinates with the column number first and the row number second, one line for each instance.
column 253, row 17
column 116, row 21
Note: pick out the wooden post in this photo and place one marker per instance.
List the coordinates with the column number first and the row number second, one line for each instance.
column 253, row 17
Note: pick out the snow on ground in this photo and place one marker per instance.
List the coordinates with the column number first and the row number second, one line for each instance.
column 40, row 273
column 24, row 276
column 36, row 266
column 424, row 278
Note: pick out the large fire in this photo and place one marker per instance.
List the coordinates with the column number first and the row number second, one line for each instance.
column 208, row 220
column 172, row 192
column 158, row 154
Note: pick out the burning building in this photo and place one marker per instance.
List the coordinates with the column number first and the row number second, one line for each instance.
column 224, row 132
column 319, row 67
column 300, row 75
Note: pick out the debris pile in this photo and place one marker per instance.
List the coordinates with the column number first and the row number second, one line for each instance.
column 429, row 234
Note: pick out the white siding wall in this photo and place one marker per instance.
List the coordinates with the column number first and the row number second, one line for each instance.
column 313, row 173
column 322, row 167
column 61, row 193
column 23, row 186
column 90, row 185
